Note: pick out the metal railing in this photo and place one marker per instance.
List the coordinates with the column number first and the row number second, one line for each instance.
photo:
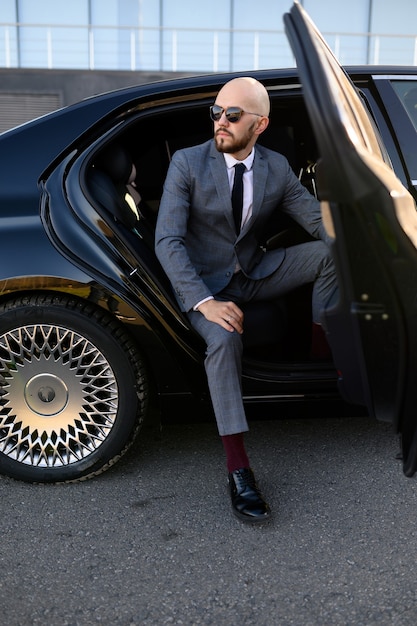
column 182, row 49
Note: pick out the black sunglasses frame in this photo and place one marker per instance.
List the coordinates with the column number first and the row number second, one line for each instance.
column 233, row 114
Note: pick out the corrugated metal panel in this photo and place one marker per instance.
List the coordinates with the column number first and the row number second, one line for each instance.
column 17, row 108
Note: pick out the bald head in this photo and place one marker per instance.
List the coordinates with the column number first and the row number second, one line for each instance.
column 247, row 93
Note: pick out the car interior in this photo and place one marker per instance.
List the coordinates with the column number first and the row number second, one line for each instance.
column 275, row 332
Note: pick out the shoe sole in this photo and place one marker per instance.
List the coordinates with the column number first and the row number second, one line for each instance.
column 251, row 520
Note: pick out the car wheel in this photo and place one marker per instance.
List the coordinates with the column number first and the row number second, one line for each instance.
column 73, row 389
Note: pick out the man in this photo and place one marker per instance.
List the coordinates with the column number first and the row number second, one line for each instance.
column 215, row 265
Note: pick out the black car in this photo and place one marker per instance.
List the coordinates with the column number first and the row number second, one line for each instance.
column 91, row 336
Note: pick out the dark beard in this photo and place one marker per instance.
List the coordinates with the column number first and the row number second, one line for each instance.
column 235, row 146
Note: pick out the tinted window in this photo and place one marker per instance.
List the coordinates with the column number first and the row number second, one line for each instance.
column 407, row 92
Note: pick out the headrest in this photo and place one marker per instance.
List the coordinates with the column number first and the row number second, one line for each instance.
column 116, row 163
column 115, row 204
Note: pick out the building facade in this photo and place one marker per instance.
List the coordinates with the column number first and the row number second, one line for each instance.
column 190, row 36
column 126, row 41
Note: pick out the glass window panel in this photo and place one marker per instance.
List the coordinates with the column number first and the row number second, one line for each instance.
column 261, row 50
column 264, row 14
column 196, row 51
column 350, row 16
column 106, row 12
column 54, row 46
column 386, row 50
column 259, row 40
column 149, row 13
column 186, row 43
column 131, row 40
column 114, row 25
column 399, row 17
column 53, row 11
column 194, row 14
column 344, row 29
column 8, row 11
column 149, row 52
column 8, row 34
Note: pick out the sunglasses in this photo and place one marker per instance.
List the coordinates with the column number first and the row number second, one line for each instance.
column 233, row 114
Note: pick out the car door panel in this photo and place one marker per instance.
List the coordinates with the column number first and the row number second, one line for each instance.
column 373, row 324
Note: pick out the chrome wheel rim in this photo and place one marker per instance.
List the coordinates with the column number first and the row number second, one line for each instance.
column 58, row 396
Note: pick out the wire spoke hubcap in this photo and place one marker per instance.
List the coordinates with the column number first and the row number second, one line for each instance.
column 58, row 396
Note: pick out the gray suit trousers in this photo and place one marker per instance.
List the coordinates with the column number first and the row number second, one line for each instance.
column 305, row 263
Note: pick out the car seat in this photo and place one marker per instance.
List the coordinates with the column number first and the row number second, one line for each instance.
column 110, row 181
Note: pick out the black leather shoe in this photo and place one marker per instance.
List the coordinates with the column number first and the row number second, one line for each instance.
column 247, row 501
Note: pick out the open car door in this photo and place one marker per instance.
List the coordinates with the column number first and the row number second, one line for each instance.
column 372, row 218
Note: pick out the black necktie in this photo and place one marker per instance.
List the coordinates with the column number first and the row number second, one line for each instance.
column 237, row 195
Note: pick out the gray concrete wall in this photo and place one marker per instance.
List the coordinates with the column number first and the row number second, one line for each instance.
column 28, row 93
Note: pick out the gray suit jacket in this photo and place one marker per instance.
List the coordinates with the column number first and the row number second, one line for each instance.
column 195, row 238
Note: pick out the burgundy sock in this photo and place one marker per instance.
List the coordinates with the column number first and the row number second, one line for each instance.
column 320, row 349
column 235, row 452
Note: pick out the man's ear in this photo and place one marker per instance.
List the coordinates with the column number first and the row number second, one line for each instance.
column 263, row 125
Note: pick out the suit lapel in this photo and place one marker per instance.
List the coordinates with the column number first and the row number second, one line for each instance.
column 221, row 180
column 260, row 174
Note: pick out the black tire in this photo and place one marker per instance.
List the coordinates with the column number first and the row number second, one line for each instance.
column 73, row 389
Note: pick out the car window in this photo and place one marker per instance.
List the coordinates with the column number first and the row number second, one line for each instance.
column 407, row 92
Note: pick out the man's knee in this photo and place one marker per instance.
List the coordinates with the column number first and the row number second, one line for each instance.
column 323, row 258
column 223, row 340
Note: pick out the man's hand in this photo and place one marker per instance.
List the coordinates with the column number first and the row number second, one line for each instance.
column 227, row 314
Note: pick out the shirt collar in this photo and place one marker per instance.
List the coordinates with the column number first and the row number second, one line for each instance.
column 231, row 161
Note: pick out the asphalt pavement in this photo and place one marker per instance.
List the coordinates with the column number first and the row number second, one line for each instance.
column 152, row 541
